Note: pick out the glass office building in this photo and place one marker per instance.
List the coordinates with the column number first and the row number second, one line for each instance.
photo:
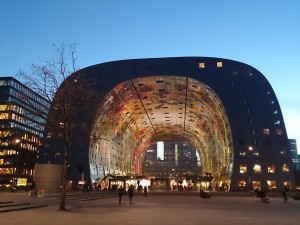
column 22, row 120
column 294, row 152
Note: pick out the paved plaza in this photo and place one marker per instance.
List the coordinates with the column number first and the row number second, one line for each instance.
column 158, row 209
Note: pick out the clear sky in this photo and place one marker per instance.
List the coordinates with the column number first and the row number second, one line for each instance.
column 262, row 33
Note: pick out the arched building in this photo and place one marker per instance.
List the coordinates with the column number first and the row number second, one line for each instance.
column 226, row 109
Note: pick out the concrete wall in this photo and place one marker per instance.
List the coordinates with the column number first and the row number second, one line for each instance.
column 48, row 177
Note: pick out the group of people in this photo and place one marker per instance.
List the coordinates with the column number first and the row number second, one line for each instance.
column 265, row 198
column 121, row 192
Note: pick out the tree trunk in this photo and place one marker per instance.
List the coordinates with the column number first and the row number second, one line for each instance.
column 63, row 191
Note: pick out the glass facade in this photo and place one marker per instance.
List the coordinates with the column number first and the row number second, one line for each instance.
column 295, row 156
column 180, row 161
column 22, row 120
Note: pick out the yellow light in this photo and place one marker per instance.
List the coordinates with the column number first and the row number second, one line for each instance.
column 201, row 65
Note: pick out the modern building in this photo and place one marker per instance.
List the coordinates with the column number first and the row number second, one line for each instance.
column 180, row 165
column 180, row 159
column 296, row 161
column 226, row 109
column 294, row 153
column 21, row 132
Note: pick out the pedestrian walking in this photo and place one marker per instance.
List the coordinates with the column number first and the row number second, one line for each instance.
column 130, row 193
column 120, row 193
column 204, row 194
column 284, row 195
column 145, row 191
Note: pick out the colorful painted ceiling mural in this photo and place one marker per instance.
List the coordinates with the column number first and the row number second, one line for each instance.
column 139, row 112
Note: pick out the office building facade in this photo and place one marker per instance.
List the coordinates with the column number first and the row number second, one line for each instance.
column 21, row 132
column 180, row 161
column 294, row 153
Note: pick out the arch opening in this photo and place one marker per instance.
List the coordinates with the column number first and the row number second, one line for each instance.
column 137, row 113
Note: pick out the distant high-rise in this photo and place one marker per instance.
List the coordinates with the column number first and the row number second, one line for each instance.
column 21, row 131
column 180, row 160
column 294, row 153
column 160, row 150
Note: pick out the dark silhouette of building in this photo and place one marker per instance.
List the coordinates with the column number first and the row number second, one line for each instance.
column 226, row 109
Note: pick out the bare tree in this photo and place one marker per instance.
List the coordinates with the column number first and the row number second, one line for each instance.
column 68, row 95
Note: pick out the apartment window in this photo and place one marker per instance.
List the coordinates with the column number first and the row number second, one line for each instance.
column 271, row 184
column 6, row 170
column 4, row 116
column 285, row 168
column 242, row 153
column 279, row 131
column 219, row 64
column 201, row 65
column 271, row 169
column 257, row 168
column 287, row 184
column 256, row 185
column 255, row 153
column 4, row 107
column 283, row 152
column 242, row 184
column 266, row 131
column 277, row 122
column 243, row 169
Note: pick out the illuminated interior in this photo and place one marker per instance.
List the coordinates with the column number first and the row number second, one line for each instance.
column 139, row 112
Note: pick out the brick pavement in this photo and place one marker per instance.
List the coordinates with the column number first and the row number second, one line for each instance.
column 155, row 209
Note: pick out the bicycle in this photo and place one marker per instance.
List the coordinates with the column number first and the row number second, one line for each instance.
column 262, row 196
column 37, row 192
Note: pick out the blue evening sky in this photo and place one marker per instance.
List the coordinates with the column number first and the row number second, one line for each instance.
column 262, row 33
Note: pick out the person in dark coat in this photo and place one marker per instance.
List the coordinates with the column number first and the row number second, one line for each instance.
column 145, row 191
column 204, row 194
column 284, row 195
column 130, row 193
column 120, row 193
